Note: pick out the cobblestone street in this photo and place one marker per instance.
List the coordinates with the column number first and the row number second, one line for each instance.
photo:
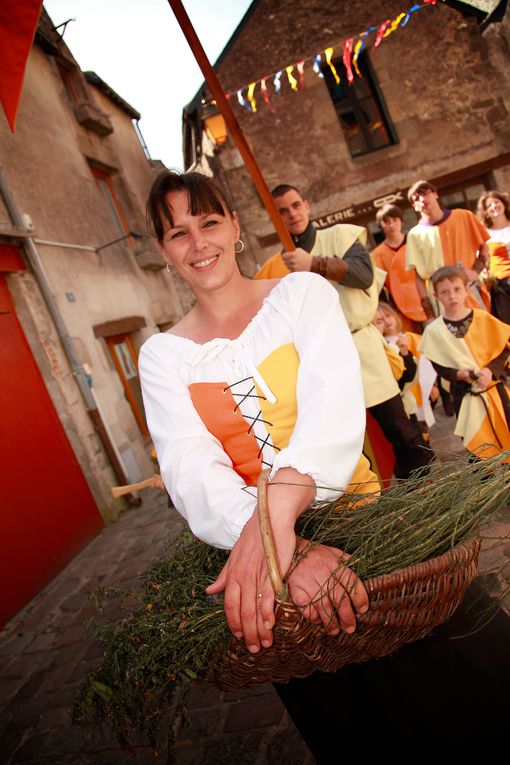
column 44, row 654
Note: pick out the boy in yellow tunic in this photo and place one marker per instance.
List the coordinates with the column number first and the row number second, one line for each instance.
column 470, row 348
column 443, row 238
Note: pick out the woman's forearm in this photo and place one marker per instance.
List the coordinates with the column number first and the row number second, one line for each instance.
column 289, row 494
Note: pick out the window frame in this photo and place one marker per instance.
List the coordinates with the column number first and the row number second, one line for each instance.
column 138, row 414
column 112, row 201
column 376, row 96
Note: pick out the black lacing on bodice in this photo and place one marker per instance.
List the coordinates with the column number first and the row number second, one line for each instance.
column 252, row 394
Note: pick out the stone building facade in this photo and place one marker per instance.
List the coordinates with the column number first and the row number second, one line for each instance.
column 433, row 102
column 73, row 178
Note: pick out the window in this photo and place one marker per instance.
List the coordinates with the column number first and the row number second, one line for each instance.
column 466, row 197
column 360, row 108
column 72, row 83
column 125, row 359
column 107, row 191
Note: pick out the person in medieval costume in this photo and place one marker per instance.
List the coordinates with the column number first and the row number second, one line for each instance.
column 390, row 256
column 444, row 238
column 470, row 349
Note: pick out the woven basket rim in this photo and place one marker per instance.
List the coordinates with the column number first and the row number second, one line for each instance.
column 462, row 552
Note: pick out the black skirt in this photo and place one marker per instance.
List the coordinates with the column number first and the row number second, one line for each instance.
column 447, row 692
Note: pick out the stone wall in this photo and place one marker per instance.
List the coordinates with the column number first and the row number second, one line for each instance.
column 444, row 82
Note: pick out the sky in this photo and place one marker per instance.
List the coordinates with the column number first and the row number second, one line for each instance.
column 137, row 47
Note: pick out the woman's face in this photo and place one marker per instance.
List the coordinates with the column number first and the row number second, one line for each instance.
column 390, row 324
column 200, row 247
column 494, row 207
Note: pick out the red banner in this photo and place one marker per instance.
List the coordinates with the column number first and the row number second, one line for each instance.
column 18, row 24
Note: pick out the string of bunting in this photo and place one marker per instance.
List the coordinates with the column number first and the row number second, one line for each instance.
column 351, row 50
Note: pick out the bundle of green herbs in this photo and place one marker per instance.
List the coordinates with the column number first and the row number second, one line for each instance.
column 169, row 637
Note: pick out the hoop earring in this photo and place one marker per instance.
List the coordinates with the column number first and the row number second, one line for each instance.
column 241, row 248
column 168, row 268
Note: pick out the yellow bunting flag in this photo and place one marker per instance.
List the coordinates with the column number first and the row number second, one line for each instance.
column 292, row 80
column 394, row 24
column 357, row 51
column 251, row 99
column 329, row 53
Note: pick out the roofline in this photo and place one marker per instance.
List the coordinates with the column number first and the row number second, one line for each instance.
column 95, row 79
column 195, row 101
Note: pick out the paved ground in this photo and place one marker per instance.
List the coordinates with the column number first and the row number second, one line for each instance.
column 44, row 654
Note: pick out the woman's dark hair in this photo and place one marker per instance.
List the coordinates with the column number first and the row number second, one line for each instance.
column 482, row 212
column 204, row 197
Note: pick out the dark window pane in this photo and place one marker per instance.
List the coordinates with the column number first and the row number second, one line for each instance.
column 359, row 108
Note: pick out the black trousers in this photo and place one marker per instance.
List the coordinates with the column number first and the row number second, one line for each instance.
column 404, row 435
column 447, row 692
column 500, row 300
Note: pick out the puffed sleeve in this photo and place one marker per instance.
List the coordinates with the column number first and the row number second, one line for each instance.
column 328, row 436
column 197, row 472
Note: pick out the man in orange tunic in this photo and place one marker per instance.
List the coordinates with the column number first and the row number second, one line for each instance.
column 443, row 238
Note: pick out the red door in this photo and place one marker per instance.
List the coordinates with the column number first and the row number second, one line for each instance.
column 47, row 513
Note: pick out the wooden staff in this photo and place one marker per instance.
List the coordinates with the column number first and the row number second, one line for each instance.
column 154, row 482
column 231, row 122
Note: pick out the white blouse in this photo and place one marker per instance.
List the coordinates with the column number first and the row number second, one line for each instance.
column 325, row 439
column 500, row 234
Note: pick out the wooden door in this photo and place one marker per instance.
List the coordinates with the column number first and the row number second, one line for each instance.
column 47, row 513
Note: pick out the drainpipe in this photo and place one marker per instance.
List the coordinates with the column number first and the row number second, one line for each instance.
column 67, row 343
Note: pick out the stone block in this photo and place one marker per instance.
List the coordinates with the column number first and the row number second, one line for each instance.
column 8, row 688
column 254, row 713
column 187, row 755
column 16, row 645
column 69, row 635
column 202, row 696
column 11, row 740
column 234, row 750
column 202, row 723
column 55, row 718
column 286, row 747
column 33, row 686
column 60, row 676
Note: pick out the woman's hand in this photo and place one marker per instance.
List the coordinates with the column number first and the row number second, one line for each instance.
column 402, row 344
column 326, row 590
column 249, row 597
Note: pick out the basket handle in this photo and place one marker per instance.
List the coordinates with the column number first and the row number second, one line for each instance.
column 267, row 534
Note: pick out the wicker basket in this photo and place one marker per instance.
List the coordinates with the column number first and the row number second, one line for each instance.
column 405, row 606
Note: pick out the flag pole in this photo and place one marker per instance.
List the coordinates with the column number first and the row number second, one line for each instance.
column 231, row 122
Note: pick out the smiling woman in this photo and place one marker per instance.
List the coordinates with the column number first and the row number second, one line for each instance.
column 197, row 233
column 234, row 388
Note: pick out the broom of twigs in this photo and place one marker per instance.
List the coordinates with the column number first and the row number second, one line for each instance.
column 168, row 639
